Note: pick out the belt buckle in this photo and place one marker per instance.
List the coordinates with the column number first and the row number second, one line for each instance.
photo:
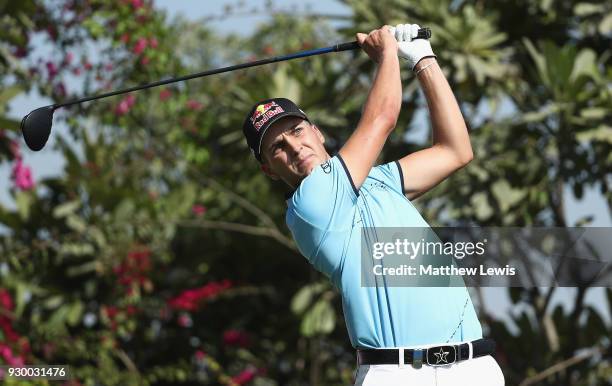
column 439, row 355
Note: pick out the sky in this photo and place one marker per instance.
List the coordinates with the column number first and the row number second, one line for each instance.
column 48, row 163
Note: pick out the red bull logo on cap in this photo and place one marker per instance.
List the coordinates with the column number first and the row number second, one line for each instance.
column 263, row 113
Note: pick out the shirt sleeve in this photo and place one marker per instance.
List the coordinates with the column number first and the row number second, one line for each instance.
column 323, row 205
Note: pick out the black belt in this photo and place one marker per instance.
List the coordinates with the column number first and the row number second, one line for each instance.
column 432, row 356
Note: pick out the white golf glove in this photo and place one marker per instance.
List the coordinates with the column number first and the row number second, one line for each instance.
column 409, row 49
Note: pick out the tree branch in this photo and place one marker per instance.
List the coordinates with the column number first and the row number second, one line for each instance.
column 129, row 364
column 244, row 203
column 560, row 366
column 241, row 228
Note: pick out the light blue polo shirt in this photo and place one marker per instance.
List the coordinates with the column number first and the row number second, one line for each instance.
column 325, row 215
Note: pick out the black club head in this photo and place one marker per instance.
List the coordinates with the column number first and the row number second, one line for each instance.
column 36, row 127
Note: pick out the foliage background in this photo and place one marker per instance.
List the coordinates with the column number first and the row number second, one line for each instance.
column 160, row 255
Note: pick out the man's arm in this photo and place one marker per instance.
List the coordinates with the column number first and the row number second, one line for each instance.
column 381, row 109
column 451, row 149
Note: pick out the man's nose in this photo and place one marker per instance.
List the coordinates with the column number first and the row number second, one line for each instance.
column 294, row 145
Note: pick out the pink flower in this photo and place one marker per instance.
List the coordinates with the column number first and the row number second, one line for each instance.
column 199, row 355
column 7, row 329
column 87, row 66
column 125, row 38
column 76, row 71
column 184, row 321
column 16, row 361
column 134, row 269
column 125, row 105
column 51, row 69
column 236, row 338
column 145, row 60
column 108, row 67
column 140, row 46
column 68, row 58
column 122, row 108
column 194, row 105
column 22, row 176
column 7, row 355
column 5, row 351
column 136, row 4
column 153, row 43
column 5, row 300
column 164, row 94
column 268, row 50
column 60, row 89
column 110, row 311
column 245, row 376
column 198, row 210
column 190, row 300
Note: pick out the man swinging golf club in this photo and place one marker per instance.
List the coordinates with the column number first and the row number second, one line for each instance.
column 403, row 335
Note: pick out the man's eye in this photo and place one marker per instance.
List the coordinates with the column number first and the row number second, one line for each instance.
column 297, row 130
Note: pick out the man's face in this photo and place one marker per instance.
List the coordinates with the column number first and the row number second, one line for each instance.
column 291, row 149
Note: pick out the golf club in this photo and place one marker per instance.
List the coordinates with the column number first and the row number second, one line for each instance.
column 36, row 126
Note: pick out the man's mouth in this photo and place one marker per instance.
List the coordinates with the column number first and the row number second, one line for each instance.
column 301, row 163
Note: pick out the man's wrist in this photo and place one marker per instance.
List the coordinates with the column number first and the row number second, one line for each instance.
column 387, row 55
column 424, row 62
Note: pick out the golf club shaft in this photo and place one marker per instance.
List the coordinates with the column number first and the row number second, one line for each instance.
column 424, row 33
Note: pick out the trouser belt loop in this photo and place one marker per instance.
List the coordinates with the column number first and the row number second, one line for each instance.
column 471, row 350
column 417, row 358
column 401, row 361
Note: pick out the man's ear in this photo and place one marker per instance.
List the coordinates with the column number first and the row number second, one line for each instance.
column 266, row 169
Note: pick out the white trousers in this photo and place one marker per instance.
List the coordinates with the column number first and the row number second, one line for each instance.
column 481, row 371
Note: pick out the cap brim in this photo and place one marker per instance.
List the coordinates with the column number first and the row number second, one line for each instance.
column 274, row 119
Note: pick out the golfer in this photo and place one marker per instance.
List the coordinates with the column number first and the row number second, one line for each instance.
column 403, row 335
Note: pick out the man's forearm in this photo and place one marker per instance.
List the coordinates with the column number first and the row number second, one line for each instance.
column 449, row 129
column 384, row 100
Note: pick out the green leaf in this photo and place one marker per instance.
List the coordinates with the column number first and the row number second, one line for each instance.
column 66, row 208
column 594, row 112
column 73, row 315
column 9, row 124
column 540, row 115
column 6, row 94
column 97, row 236
column 53, row 302
column 302, row 299
column 481, row 206
column 90, row 266
column 76, row 223
column 605, row 27
column 584, row 64
column 602, row 133
column 124, row 210
column 76, row 249
column 20, row 298
column 319, row 320
column 539, row 60
column 506, row 195
column 24, row 202
column 58, row 317
column 585, row 9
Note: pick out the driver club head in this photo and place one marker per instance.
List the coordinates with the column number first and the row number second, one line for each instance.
column 36, row 127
